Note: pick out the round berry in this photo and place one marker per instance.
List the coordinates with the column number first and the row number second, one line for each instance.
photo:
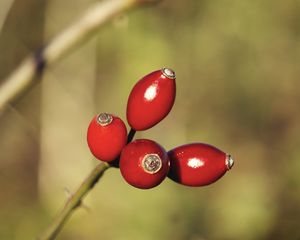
column 144, row 163
column 198, row 164
column 106, row 136
column 151, row 99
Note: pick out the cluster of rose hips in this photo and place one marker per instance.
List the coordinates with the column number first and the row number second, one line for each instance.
column 144, row 163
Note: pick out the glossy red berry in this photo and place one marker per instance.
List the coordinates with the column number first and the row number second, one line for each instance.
column 151, row 99
column 144, row 163
column 198, row 164
column 106, row 136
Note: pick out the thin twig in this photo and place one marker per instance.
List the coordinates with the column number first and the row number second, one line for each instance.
column 73, row 202
column 28, row 71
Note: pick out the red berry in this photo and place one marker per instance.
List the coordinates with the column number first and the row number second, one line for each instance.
column 198, row 164
column 151, row 99
column 144, row 163
column 106, row 136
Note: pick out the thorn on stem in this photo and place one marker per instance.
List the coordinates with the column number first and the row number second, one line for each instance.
column 85, row 207
column 68, row 193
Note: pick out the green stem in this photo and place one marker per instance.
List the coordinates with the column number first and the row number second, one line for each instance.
column 73, row 202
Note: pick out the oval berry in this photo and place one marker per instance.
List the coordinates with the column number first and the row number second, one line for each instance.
column 106, row 136
column 151, row 99
column 198, row 164
column 144, row 163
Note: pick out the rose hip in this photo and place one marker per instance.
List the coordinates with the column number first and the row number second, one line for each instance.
column 198, row 164
column 106, row 136
column 151, row 99
column 144, row 163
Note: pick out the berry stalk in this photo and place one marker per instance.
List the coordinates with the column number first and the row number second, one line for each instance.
column 131, row 135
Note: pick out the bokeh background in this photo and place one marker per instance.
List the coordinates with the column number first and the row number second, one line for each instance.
column 237, row 65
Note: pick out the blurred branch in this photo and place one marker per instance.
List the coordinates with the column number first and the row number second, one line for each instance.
column 28, row 71
column 73, row 202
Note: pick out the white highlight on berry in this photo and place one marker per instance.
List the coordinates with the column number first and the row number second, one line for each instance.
column 151, row 92
column 195, row 163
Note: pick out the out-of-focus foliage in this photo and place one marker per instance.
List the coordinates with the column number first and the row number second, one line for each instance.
column 237, row 66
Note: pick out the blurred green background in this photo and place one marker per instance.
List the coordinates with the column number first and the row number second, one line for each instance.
column 237, row 66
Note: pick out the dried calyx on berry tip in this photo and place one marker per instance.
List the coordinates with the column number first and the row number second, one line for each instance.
column 104, row 119
column 229, row 162
column 151, row 163
column 169, row 73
